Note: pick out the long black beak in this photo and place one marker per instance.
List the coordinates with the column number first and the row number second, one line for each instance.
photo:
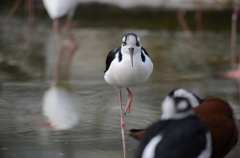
column 131, row 49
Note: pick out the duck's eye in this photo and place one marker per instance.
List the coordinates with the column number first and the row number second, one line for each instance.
column 124, row 43
column 137, row 44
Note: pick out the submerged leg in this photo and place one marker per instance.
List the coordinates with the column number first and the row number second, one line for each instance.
column 71, row 45
column 180, row 16
column 72, row 42
column 233, row 34
column 198, row 16
column 122, row 123
column 129, row 101
column 59, row 49
column 13, row 10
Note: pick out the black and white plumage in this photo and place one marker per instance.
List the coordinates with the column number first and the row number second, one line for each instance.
column 127, row 66
column 216, row 114
column 192, row 98
column 180, row 134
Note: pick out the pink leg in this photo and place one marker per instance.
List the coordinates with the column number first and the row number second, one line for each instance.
column 59, row 48
column 41, row 124
column 233, row 34
column 233, row 39
column 30, row 12
column 70, row 35
column 13, row 10
column 129, row 101
column 180, row 16
column 71, row 53
column 72, row 46
column 198, row 17
column 122, row 123
column 68, row 25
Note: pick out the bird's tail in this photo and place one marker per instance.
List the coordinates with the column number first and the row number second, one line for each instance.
column 136, row 133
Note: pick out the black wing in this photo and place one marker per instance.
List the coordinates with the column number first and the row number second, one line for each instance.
column 111, row 57
column 144, row 50
column 181, row 138
column 151, row 131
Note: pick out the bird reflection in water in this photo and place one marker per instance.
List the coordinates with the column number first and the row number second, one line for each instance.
column 60, row 102
column 61, row 106
column 57, row 9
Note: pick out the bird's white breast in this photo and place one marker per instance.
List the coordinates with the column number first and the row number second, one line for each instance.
column 122, row 74
column 58, row 8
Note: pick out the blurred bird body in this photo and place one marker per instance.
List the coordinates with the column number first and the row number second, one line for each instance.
column 180, row 134
column 217, row 115
column 59, row 8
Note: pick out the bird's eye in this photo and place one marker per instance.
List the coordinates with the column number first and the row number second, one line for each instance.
column 124, row 43
column 137, row 44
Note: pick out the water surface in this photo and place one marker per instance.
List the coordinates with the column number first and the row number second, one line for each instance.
column 26, row 76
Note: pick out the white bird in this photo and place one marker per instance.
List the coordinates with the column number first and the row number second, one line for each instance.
column 127, row 66
column 57, row 9
column 179, row 134
column 60, row 8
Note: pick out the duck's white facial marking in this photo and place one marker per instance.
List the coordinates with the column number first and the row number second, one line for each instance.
column 176, row 108
column 183, row 93
column 182, row 105
column 168, row 107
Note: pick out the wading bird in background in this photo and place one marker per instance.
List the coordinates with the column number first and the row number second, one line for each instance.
column 57, row 9
column 234, row 72
column 61, row 105
column 198, row 17
column 127, row 66
column 28, row 8
column 30, row 19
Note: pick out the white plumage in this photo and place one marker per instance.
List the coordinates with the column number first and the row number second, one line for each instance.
column 179, row 134
column 59, row 8
column 124, row 75
column 127, row 66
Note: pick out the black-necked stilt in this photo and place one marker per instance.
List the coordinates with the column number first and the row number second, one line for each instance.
column 127, row 66
column 179, row 134
column 217, row 116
